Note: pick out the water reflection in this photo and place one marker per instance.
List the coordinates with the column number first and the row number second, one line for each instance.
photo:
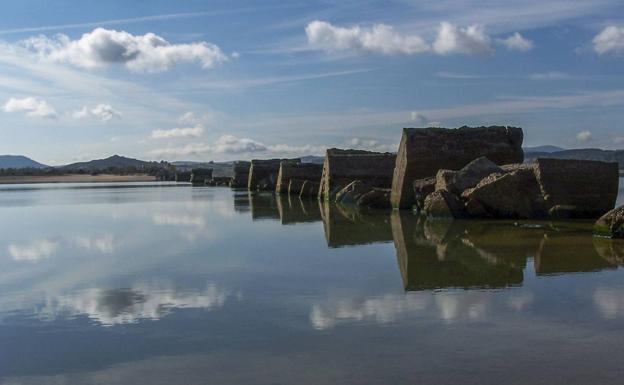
column 347, row 226
column 144, row 301
column 293, row 210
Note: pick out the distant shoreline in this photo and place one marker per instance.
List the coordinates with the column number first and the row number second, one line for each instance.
column 76, row 178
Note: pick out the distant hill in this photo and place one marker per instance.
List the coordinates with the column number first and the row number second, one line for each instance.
column 112, row 162
column 582, row 154
column 546, row 148
column 313, row 159
column 19, row 161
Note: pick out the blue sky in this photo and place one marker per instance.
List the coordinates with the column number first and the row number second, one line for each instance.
column 224, row 80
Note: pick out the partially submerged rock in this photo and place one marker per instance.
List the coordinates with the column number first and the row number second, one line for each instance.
column 443, row 204
column 510, row 195
column 309, row 189
column 240, row 174
column 424, row 151
column 199, row 176
column 611, row 224
column 422, row 188
column 591, row 187
column 303, row 171
column 342, row 167
column 263, row 173
column 376, row 198
column 469, row 176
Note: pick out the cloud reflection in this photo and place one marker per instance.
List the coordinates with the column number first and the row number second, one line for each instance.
column 110, row 307
column 33, row 251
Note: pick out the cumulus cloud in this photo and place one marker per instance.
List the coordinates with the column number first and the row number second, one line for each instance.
column 229, row 144
column 371, row 145
column 186, row 132
column 380, row 38
column 103, row 112
column 33, row 251
column 31, row 106
column 469, row 40
column 517, row 42
column 423, row 121
column 139, row 53
column 584, row 136
column 609, row 40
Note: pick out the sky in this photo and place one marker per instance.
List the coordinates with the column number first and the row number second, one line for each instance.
column 223, row 80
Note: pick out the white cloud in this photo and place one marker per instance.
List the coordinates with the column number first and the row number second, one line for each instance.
column 139, row 53
column 371, row 145
column 380, row 38
column 103, row 112
column 610, row 40
column 584, row 136
column 229, row 144
column 553, row 75
column 31, row 106
column 186, row 132
column 33, row 251
column 517, row 42
column 468, row 40
column 192, row 149
column 419, row 119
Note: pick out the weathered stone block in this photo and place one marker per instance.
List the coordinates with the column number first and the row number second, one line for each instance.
column 590, row 186
column 200, row 175
column 422, row 188
column 302, row 171
column 377, row 198
column 240, row 177
column 424, row 151
column 263, row 173
column 309, row 189
column 443, row 204
column 611, row 224
column 342, row 167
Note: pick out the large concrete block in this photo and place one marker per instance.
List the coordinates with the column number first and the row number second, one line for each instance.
column 589, row 188
column 240, row 174
column 300, row 171
column 263, row 173
column 200, row 175
column 424, row 151
column 342, row 167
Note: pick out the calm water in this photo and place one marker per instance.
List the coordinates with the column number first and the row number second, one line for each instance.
column 164, row 284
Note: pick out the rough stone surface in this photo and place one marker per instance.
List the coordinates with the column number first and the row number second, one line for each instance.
column 199, row 176
column 422, row 188
column 294, row 186
column 510, row 195
column 240, row 177
column 302, row 171
column 352, row 192
column 424, row 151
column 183, row 176
column 263, row 173
column 469, row 176
column 309, row 189
column 342, row 167
column 377, row 198
column 443, row 204
column 590, row 186
column 611, row 224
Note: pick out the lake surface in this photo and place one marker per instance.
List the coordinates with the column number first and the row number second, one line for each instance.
column 171, row 284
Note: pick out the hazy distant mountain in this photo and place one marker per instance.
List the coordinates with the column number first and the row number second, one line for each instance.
column 19, row 161
column 114, row 161
column 582, row 154
column 546, row 148
column 313, row 159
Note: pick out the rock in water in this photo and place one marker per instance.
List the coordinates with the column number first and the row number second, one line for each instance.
column 591, row 187
column 263, row 173
column 302, row 171
column 422, row 188
column 240, row 177
column 443, row 204
column 467, row 177
column 352, row 192
column 611, row 224
column 424, row 151
column 309, row 189
column 342, row 167
column 512, row 195
column 200, row 175
column 377, row 198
